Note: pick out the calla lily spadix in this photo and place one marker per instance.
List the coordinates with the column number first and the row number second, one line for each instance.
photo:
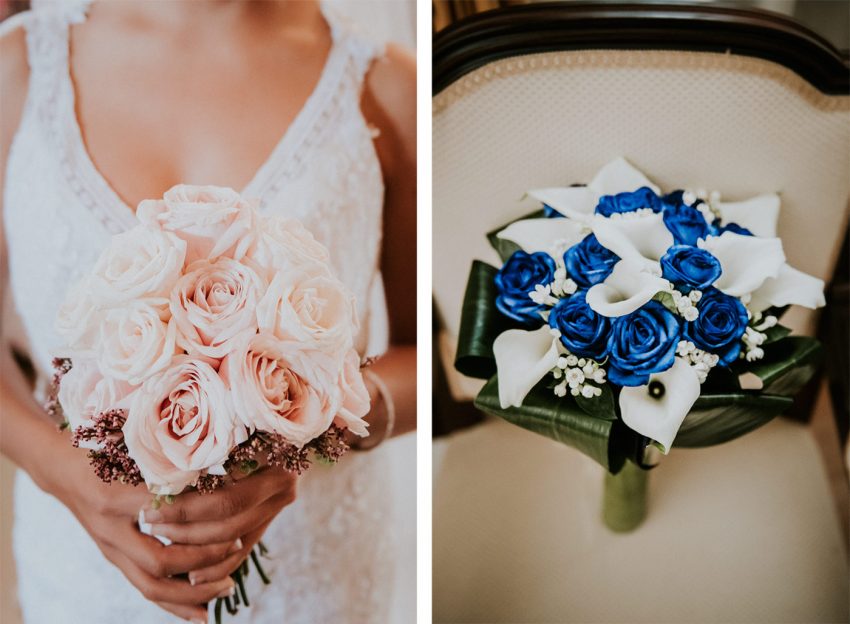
column 624, row 291
column 534, row 235
column 523, row 358
column 657, row 409
column 746, row 261
column 640, row 239
column 789, row 287
column 579, row 202
column 758, row 214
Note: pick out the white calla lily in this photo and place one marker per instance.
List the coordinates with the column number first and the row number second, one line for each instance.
column 759, row 215
column 575, row 202
column 619, row 176
column 639, row 239
column 544, row 234
column 523, row 358
column 624, row 291
column 579, row 202
column 789, row 287
column 745, row 261
column 659, row 417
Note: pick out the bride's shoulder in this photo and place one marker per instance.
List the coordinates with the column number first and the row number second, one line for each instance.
column 389, row 99
column 14, row 78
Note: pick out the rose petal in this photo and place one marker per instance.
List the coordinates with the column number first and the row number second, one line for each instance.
column 758, row 214
column 640, row 239
column 789, row 287
column 543, row 235
column 522, row 359
column 660, row 418
column 618, row 176
column 577, row 202
column 746, row 261
column 624, row 291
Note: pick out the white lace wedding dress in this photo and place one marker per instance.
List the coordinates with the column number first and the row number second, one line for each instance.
column 332, row 550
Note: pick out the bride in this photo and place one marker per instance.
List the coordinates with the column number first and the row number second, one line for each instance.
column 106, row 104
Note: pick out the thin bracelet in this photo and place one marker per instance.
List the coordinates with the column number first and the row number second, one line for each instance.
column 389, row 405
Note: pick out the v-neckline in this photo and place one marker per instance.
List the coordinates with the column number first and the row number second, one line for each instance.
column 288, row 144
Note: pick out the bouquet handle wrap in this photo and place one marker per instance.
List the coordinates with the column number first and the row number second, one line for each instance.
column 624, row 500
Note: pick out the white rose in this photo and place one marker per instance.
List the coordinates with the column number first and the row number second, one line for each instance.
column 139, row 263
column 212, row 220
column 282, row 387
column 135, row 342
column 78, row 320
column 181, row 422
column 84, row 392
column 284, row 244
column 355, row 397
column 309, row 307
column 213, row 303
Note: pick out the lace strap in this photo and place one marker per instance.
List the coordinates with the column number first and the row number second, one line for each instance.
column 362, row 49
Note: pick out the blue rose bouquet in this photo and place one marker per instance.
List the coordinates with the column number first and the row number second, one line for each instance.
column 624, row 321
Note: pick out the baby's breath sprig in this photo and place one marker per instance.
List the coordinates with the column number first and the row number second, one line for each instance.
column 578, row 376
column 755, row 335
column 701, row 361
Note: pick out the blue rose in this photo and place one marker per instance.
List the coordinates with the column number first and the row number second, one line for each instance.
column 521, row 273
column 588, row 262
column 583, row 331
column 642, row 343
column 717, row 229
column 629, row 202
column 690, row 267
column 686, row 223
column 551, row 213
column 721, row 323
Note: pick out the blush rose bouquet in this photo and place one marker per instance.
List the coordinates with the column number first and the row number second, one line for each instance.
column 624, row 320
column 205, row 341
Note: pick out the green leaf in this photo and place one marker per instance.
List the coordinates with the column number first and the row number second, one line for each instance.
column 718, row 418
column 601, row 406
column 506, row 248
column 666, row 299
column 787, row 364
column 480, row 323
column 775, row 333
column 557, row 418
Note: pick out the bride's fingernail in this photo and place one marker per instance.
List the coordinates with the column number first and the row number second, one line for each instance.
column 198, row 621
column 235, row 547
column 193, row 579
column 227, row 593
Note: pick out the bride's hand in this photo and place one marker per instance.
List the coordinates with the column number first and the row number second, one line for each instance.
column 109, row 513
column 240, row 511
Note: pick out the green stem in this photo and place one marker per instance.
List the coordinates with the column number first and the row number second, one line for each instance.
column 624, row 501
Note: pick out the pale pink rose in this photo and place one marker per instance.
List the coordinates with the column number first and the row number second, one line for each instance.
column 309, row 307
column 78, row 320
column 355, row 397
column 281, row 387
column 139, row 263
column 181, row 423
column 213, row 220
column 282, row 244
column 214, row 302
column 135, row 342
column 84, row 392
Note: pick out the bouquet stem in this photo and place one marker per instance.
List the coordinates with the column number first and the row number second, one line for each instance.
column 624, row 500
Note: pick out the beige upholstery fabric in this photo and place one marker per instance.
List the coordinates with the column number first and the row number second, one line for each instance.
column 742, row 532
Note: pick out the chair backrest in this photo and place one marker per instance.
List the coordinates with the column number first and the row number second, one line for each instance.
column 700, row 97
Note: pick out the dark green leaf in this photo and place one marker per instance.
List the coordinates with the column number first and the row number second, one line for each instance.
column 480, row 323
column 601, row 406
column 717, row 418
column 506, row 248
column 787, row 364
column 775, row 333
column 554, row 417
